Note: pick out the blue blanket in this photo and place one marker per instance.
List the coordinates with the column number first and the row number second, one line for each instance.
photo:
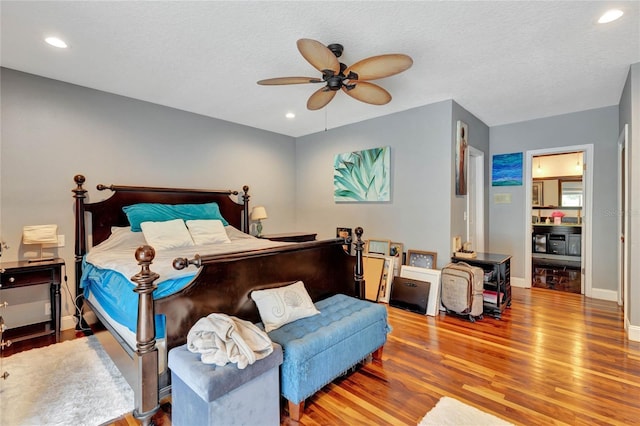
column 115, row 293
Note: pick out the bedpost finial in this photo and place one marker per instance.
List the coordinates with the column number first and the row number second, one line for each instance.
column 145, row 253
column 245, row 188
column 145, row 278
column 359, row 232
column 79, row 179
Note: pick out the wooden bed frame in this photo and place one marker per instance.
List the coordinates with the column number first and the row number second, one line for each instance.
column 223, row 283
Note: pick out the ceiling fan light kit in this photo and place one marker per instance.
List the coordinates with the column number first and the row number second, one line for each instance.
column 352, row 80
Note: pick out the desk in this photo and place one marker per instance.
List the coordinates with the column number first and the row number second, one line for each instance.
column 497, row 280
column 24, row 273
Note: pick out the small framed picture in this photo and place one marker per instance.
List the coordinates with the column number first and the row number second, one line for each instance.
column 422, row 259
column 378, row 246
column 536, row 193
column 345, row 234
column 396, row 249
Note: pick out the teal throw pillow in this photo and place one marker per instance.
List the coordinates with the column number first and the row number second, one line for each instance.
column 155, row 212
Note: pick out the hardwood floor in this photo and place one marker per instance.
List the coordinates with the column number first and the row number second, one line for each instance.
column 554, row 358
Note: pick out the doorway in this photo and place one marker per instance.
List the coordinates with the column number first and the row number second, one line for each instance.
column 475, row 199
column 583, row 267
column 623, row 223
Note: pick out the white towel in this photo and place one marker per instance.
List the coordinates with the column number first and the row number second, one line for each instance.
column 221, row 339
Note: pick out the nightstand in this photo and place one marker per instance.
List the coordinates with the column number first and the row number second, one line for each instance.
column 292, row 237
column 23, row 274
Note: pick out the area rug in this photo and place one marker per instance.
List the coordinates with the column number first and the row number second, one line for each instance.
column 451, row 412
column 69, row 383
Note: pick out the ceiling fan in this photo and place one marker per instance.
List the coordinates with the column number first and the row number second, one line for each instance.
column 352, row 80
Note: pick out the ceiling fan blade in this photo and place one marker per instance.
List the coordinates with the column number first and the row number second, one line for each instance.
column 318, row 55
column 289, row 80
column 368, row 92
column 320, row 98
column 380, row 66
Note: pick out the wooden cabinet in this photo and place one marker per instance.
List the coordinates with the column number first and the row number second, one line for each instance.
column 497, row 280
column 23, row 274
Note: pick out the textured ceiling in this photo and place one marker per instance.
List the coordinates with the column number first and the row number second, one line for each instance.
column 503, row 61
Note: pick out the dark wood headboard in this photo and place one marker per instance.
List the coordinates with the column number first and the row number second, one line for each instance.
column 108, row 213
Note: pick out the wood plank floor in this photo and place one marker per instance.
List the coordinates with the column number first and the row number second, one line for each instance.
column 554, row 358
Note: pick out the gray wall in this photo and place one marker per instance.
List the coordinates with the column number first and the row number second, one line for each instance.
column 418, row 214
column 478, row 138
column 630, row 114
column 53, row 130
column 506, row 221
column 421, row 210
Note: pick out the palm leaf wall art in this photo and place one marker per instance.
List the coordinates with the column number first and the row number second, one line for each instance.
column 362, row 175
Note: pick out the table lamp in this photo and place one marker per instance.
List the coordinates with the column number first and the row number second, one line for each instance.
column 40, row 234
column 258, row 214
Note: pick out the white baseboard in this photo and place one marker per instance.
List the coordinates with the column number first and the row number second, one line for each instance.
column 599, row 293
column 633, row 332
column 68, row 322
column 519, row 282
column 596, row 293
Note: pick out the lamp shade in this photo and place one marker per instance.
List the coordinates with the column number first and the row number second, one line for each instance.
column 40, row 234
column 258, row 213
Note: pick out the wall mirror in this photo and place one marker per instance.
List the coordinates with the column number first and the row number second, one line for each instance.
column 557, row 180
column 570, row 193
column 557, row 192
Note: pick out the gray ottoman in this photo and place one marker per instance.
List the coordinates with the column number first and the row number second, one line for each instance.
column 204, row 394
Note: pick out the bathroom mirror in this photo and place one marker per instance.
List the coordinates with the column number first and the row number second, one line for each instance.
column 557, row 192
column 570, row 193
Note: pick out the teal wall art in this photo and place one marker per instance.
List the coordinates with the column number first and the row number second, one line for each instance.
column 507, row 169
column 362, row 176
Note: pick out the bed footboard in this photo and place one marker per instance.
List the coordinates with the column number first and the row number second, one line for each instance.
column 224, row 284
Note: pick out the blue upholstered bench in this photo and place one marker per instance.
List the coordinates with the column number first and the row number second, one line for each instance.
column 204, row 394
column 322, row 347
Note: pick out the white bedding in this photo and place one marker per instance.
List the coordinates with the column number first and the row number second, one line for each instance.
column 118, row 252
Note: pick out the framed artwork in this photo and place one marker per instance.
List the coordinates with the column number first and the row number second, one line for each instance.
column 396, row 249
column 461, row 157
column 536, row 194
column 386, row 279
column 431, row 276
column 378, row 246
column 506, row 169
column 422, row 259
column 345, row 234
column 373, row 269
column 362, row 175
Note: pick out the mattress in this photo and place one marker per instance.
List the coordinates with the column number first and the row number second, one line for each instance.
column 109, row 266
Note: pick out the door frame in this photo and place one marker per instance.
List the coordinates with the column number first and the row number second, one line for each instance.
column 587, row 208
column 476, row 172
column 623, row 222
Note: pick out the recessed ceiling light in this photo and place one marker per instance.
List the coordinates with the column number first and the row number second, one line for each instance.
column 290, row 115
column 56, row 42
column 610, row 16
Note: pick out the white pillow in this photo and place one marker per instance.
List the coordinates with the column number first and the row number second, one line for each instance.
column 207, row 231
column 282, row 305
column 166, row 235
